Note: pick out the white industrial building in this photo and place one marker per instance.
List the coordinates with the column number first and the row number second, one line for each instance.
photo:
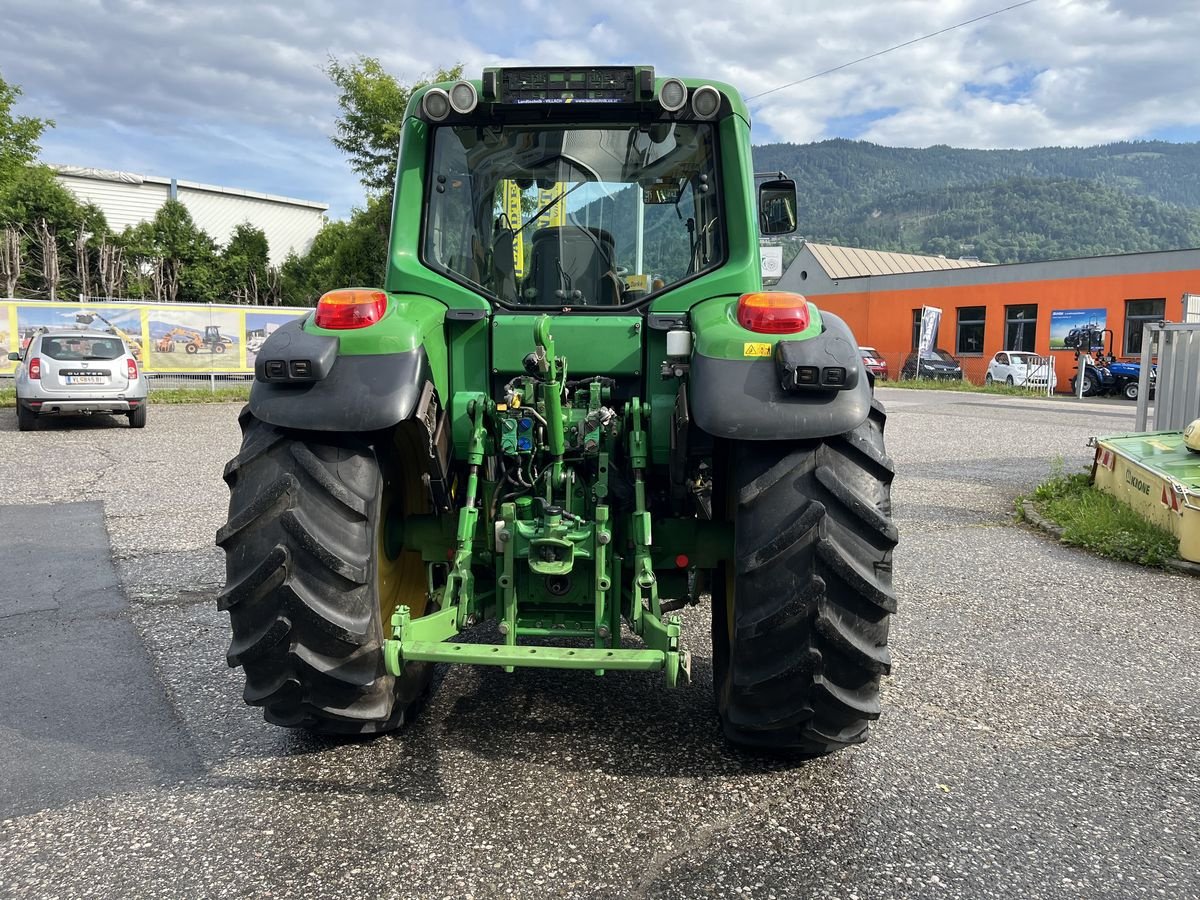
column 127, row 199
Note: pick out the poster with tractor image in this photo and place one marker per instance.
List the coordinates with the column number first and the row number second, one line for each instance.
column 164, row 337
column 1077, row 329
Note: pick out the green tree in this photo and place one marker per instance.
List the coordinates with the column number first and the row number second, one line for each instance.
column 49, row 238
column 172, row 259
column 372, row 104
column 246, row 266
column 19, row 135
column 343, row 254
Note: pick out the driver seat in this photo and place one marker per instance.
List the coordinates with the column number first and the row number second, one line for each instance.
column 573, row 266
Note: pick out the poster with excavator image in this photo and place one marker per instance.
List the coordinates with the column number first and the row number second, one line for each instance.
column 24, row 320
column 194, row 339
column 164, row 337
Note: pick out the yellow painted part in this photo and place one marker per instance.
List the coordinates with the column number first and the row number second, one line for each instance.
column 400, row 579
column 1154, row 474
column 553, row 216
column 9, row 340
column 512, row 209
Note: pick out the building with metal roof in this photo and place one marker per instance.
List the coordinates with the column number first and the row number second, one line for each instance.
column 987, row 309
column 829, row 262
column 128, row 199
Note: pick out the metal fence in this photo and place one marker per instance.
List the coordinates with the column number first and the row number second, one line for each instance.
column 199, row 381
column 1176, row 390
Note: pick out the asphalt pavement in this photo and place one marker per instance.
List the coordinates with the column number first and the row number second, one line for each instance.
column 1038, row 738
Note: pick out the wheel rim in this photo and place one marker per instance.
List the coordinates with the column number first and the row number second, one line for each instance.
column 400, row 572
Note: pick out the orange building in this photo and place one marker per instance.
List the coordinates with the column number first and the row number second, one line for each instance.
column 990, row 308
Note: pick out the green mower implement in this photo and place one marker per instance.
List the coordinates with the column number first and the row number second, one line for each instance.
column 571, row 412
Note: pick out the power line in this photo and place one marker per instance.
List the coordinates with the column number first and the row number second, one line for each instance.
column 877, row 53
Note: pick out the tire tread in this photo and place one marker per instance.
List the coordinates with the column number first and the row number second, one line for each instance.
column 813, row 591
column 299, row 545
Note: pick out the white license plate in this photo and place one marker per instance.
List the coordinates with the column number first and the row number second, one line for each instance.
column 86, row 379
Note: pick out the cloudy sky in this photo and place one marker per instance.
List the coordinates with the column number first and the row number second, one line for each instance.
column 231, row 92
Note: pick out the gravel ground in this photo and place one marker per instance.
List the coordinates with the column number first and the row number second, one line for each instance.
column 1038, row 735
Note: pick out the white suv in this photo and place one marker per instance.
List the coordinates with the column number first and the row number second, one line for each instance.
column 1018, row 368
column 65, row 373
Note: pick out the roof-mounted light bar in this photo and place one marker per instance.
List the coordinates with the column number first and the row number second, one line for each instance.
column 553, row 85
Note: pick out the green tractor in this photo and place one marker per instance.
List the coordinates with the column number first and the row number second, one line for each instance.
column 571, row 412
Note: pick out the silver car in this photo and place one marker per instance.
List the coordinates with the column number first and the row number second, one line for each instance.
column 67, row 373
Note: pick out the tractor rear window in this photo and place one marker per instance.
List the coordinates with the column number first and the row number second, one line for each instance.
column 574, row 216
column 76, row 348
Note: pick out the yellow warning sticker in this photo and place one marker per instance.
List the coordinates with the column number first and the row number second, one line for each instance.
column 754, row 348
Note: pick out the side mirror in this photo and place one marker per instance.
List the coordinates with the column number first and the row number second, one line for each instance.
column 777, row 206
column 15, row 357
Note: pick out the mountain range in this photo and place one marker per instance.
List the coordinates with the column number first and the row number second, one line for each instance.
column 997, row 205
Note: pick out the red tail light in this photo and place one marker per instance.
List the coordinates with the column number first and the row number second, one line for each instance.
column 773, row 312
column 131, row 369
column 35, row 368
column 350, row 308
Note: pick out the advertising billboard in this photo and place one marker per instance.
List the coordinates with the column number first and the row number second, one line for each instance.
column 1077, row 329
column 164, row 337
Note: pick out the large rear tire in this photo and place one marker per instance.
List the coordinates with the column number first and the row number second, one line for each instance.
column 311, row 582
column 800, row 622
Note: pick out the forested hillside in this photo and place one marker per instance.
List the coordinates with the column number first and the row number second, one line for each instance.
column 999, row 205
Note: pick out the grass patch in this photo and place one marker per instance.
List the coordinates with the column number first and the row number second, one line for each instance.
column 199, row 395
column 939, row 384
column 170, row 396
column 1099, row 522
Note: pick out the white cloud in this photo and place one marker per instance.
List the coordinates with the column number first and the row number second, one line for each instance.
column 233, row 92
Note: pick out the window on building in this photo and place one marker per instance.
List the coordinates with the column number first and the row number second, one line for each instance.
column 970, row 330
column 1137, row 314
column 916, row 328
column 1020, row 327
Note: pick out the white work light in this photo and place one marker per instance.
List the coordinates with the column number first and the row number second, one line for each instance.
column 673, row 95
column 706, row 101
column 463, row 97
column 435, row 104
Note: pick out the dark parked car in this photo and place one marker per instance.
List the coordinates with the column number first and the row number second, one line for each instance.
column 874, row 363
column 934, row 364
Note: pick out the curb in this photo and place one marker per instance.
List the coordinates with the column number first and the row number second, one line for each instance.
column 1036, row 519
